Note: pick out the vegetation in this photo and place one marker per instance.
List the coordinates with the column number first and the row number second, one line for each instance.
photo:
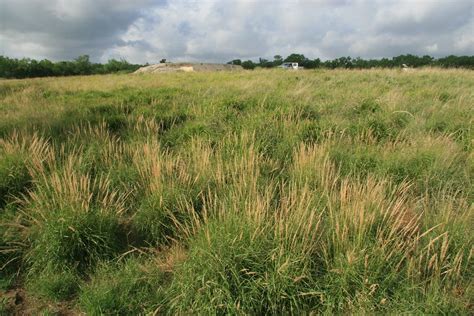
column 359, row 63
column 30, row 68
column 280, row 192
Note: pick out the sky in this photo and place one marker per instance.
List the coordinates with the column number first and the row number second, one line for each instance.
column 221, row 30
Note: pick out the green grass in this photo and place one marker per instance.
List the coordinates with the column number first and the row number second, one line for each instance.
column 127, row 288
column 253, row 192
column 14, row 177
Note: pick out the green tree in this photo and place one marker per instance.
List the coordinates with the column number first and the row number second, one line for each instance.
column 248, row 64
column 265, row 63
column 295, row 58
column 83, row 66
column 235, row 62
column 277, row 60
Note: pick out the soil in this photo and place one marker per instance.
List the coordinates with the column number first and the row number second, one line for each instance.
column 187, row 67
column 19, row 303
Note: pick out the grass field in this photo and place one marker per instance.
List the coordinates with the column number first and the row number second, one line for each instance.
column 244, row 193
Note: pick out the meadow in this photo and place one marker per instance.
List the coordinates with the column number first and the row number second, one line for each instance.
column 251, row 192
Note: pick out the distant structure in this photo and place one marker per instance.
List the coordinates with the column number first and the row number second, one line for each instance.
column 293, row 66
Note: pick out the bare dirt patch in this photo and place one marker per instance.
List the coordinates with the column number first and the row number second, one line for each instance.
column 18, row 302
column 187, row 67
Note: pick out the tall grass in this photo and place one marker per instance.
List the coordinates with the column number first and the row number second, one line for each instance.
column 244, row 193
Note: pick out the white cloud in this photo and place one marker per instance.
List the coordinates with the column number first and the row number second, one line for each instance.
column 432, row 48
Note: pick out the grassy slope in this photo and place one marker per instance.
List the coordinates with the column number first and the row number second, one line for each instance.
column 248, row 192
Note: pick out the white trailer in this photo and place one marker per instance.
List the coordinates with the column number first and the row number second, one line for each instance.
column 293, row 66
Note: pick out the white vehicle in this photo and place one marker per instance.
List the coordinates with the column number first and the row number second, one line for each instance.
column 289, row 66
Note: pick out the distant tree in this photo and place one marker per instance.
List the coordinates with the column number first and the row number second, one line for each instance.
column 265, row 63
column 27, row 68
column 114, row 65
column 248, row 64
column 360, row 63
column 311, row 64
column 344, row 62
column 277, row 60
column 237, row 62
column 83, row 66
column 412, row 60
column 456, row 62
column 163, row 61
column 295, row 58
column 45, row 68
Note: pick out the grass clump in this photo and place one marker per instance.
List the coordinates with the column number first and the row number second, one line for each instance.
column 14, row 176
column 74, row 240
column 72, row 224
column 154, row 219
column 132, row 287
column 55, row 283
column 11, row 249
column 233, row 266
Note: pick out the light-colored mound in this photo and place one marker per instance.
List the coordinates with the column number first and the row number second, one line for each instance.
column 187, row 67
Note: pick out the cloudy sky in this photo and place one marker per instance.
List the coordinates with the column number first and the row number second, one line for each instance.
column 220, row 30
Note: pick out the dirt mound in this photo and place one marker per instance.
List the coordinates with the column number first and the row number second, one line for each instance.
column 186, row 67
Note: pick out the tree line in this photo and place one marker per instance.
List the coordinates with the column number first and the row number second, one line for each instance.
column 359, row 63
column 30, row 68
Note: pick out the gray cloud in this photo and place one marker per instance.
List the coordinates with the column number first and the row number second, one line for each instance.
column 219, row 30
column 66, row 28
